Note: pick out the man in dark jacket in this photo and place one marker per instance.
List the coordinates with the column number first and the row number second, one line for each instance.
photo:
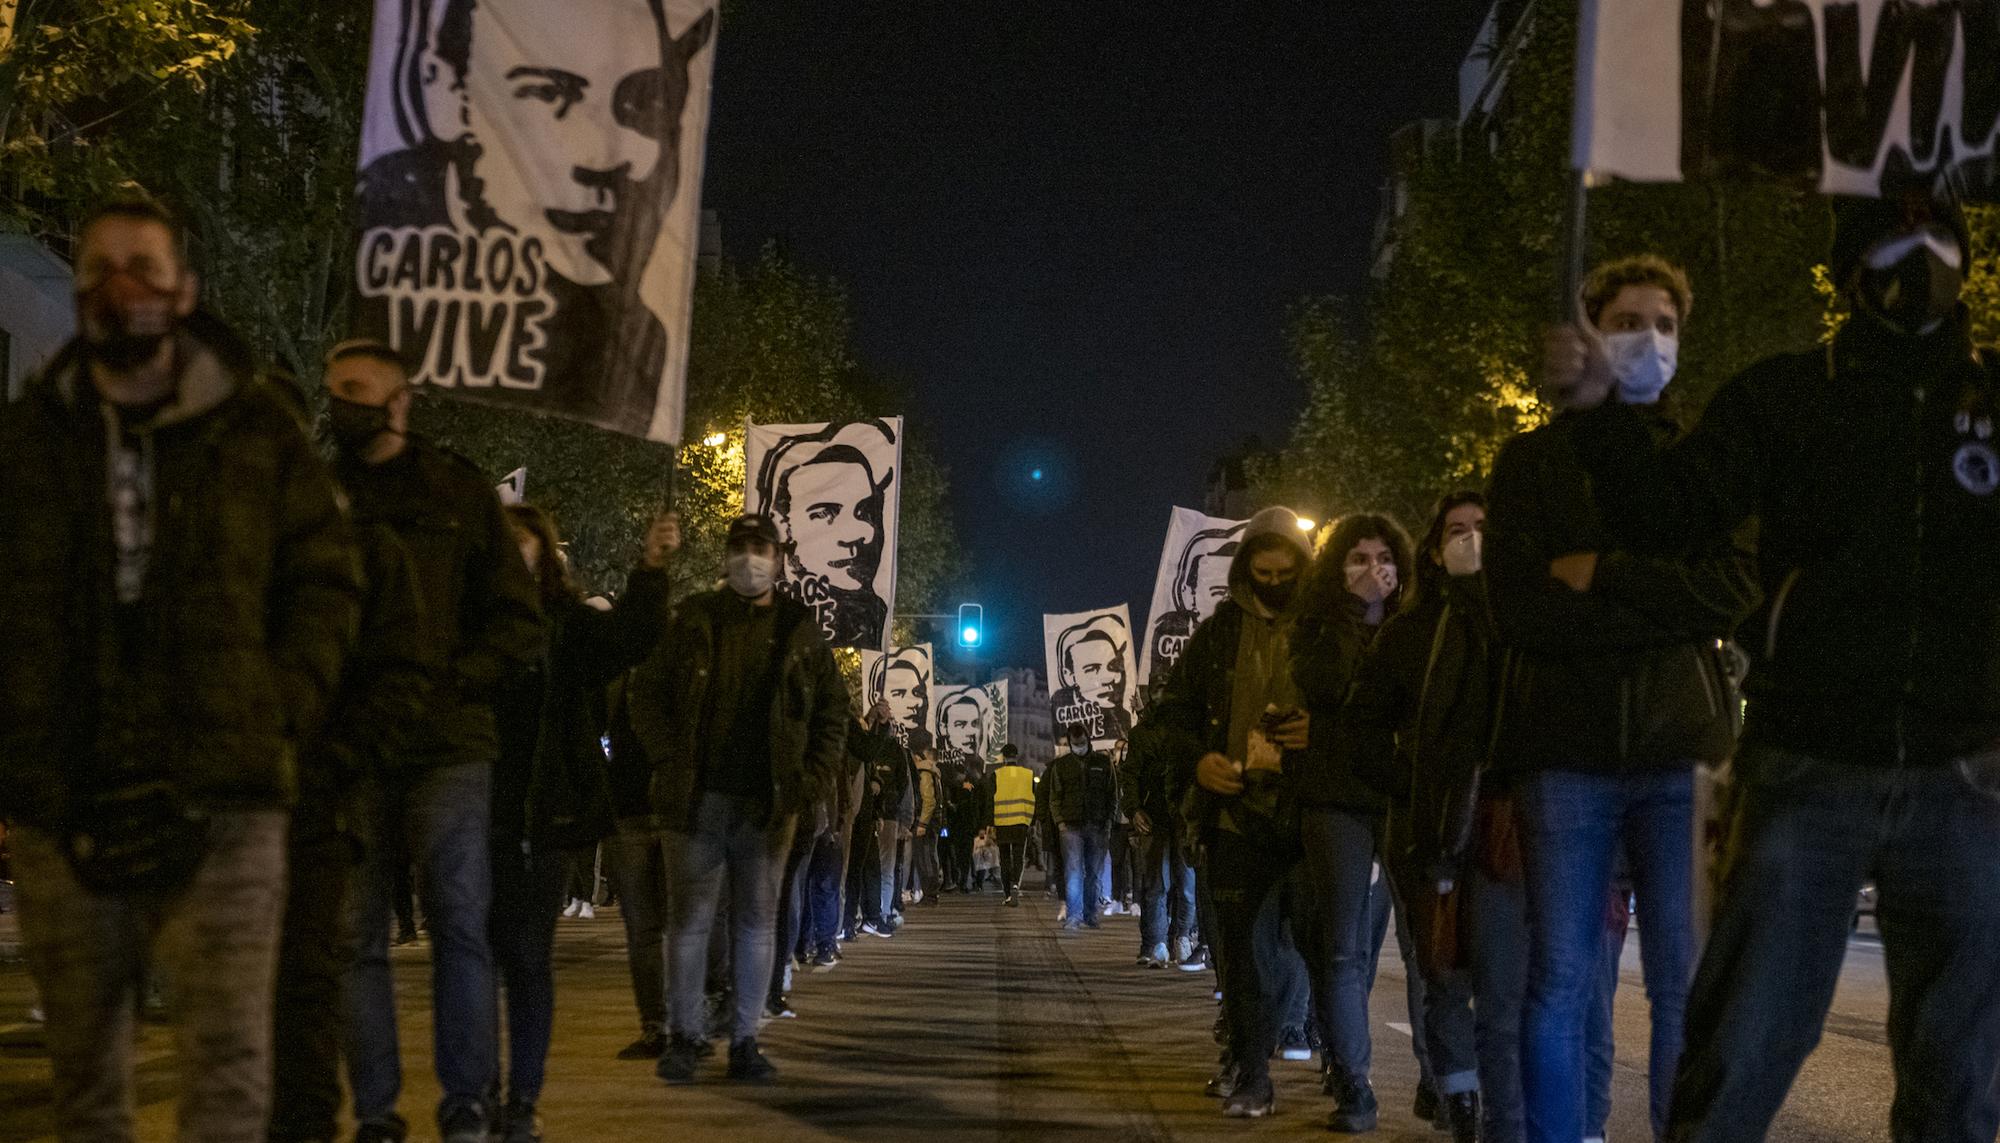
column 1874, row 720
column 484, row 622
column 744, row 714
column 892, row 783
column 1083, row 800
column 182, row 589
column 1611, row 699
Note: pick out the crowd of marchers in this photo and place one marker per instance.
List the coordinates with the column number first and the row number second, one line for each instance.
column 245, row 691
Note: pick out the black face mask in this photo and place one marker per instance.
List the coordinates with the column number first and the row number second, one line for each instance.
column 1276, row 596
column 355, row 426
column 1914, row 295
column 125, row 321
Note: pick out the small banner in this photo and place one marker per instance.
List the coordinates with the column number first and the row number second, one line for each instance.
column 972, row 724
column 529, row 201
column 514, row 489
column 835, row 492
column 902, row 678
column 1857, row 97
column 1193, row 581
column 1089, row 658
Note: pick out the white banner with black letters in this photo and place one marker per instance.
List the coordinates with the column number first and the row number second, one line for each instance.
column 835, row 492
column 1193, row 580
column 529, row 201
column 1858, row 97
column 902, row 679
column 1091, row 673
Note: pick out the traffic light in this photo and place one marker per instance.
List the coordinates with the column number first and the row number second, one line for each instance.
column 971, row 625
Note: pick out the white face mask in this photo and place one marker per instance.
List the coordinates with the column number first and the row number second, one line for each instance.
column 750, row 576
column 1643, row 361
column 1462, row 554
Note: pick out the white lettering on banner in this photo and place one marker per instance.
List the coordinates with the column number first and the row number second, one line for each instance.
column 1087, row 714
column 470, row 308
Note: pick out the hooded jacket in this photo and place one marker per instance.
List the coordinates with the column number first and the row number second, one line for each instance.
column 226, row 660
column 1871, row 468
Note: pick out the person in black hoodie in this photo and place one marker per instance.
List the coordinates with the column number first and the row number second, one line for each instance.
column 1869, row 748
column 1083, row 800
column 1222, row 725
column 552, row 796
column 1611, row 699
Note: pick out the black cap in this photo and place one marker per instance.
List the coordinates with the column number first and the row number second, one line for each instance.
column 1859, row 223
column 753, row 526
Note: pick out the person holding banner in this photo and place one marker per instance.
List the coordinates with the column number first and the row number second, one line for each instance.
column 1872, row 743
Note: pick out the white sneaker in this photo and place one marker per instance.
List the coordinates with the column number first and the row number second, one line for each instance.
column 569, row 910
column 586, row 911
column 916, row 896
column 1062, row 914
column 1157, row 958
column 1183, row 950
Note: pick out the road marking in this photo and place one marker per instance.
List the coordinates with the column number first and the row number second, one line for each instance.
column 1404, row 1029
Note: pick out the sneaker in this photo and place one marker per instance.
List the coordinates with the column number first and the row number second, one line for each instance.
column 780, row 1008
column 678, row 1063
column 1092, row 923
column 1013, row 901
column 1111, row 909
column 1072, row 927
column 1428, row 1107
column 1252, row 1099
column 1156, row 958
column 1220, row 1033
column 1461, row 1118
column 585, row 911
column 1062, row 914
column 1195, row 961
column 916, row 897
column 390, row 1130
column 1355, row 1111
column 895, row 922
column 522, row 1125
column 1223, row 1084
column 405, row 937
column 1293, row 1045
column 785, row 984
column 569, row 910
column 826, row 959
column 36, row 1015
column 648, row 1046
column 875, row 930
column 466, row 1125
column 748, row 1065
column 1183, row 950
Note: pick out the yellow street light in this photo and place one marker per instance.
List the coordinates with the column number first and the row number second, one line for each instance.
column 715, row 440
column 1306, row 525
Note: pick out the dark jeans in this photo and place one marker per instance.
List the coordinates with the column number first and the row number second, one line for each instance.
column 1441, row 1018
column 924, row 863
column 1572, row 828
column 791, row 906
column 1385, row 911
column 1339, row 864
column 1496, row 949
column 1123, row 882
column 1281, row 961
column 445, row 818
column 735, row 845
column 312, row 959
column 1241, row 881
column 528, row 895
column 1167, row 895
column 1013, row 855
column 639, row 877
column 827, row 878
column 1083, row 854
column 1806, row 833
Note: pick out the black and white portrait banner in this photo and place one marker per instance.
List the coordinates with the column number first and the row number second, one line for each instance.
column 972, row 723
column 1193, row 580
column 1860, row 97
column 902, row 678
column 1091, row 673
column 835, row 492
column 529, row 201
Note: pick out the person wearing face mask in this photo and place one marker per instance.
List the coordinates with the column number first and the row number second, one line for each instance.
column 1224, row 726
column 484, row 622
column 160, row 506
column 745, row 715
column 1083, row 800
column 1611, row 699
column 1869, row 748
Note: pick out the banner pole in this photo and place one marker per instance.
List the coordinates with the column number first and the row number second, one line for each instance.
column 1575, row 247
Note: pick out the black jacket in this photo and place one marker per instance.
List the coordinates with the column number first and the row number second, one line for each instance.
column 808, row 722
column 1328, row 646
column 1628, row 675
column 251, row 599
column 1083, row 791
column 892, row 775
column 1868, row 465
column 484, row 617
column 552, row 784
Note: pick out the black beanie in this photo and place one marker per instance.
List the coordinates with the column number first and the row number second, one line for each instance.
column 1859, row 223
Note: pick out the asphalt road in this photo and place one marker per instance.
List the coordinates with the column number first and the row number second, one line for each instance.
column 976, row 1023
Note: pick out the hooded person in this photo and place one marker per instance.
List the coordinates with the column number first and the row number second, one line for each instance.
column 1222, row 725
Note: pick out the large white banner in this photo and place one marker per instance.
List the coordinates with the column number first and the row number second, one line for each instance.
column 971, row 723
column 902, row 678
column 1091, row 673
column 1851, row 96
column 835, row 492
column 529, row 201
column 1193, row 581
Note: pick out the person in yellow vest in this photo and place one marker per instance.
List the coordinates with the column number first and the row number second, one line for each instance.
column 1013, row 790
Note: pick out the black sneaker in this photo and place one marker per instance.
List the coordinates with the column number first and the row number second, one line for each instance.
column 1462, row 1117
column 1355, row 1112
column 465, row 1125
column 1252, row 1099
column 1223, row 1084
column 678, row 1063
column 1428, row 1107
column 826, row 958
column 522, row 1125
column 748, row 1065
column 779, row 1007
column 390, row 1130
column 647, row 1047
column 1013, row 901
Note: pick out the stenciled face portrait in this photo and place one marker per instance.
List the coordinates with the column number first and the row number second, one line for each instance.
column 1096, row 668
column 831, row 490
column 965, row 726
column 1211, row 582
column 903, row 690
column 829, row 513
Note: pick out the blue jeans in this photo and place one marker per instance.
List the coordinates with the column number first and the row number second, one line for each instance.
column 1166, row 902
column 528, row 895
column 1805, row 833
column 1339, row 862
column 826, row 887
column 1083, row 853
column 1572, row 828
column 737, row 844
column 1600, row 1041
column 446, row 815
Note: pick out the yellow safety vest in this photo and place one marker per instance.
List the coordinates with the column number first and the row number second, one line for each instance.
column 1013, row 796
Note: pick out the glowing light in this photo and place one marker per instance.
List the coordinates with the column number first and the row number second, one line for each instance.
column 1306, row 525
column 715, row 440
column 970, row 636
column 1035, row 475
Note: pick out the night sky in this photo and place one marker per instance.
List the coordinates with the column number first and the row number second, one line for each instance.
column 1077, row 228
